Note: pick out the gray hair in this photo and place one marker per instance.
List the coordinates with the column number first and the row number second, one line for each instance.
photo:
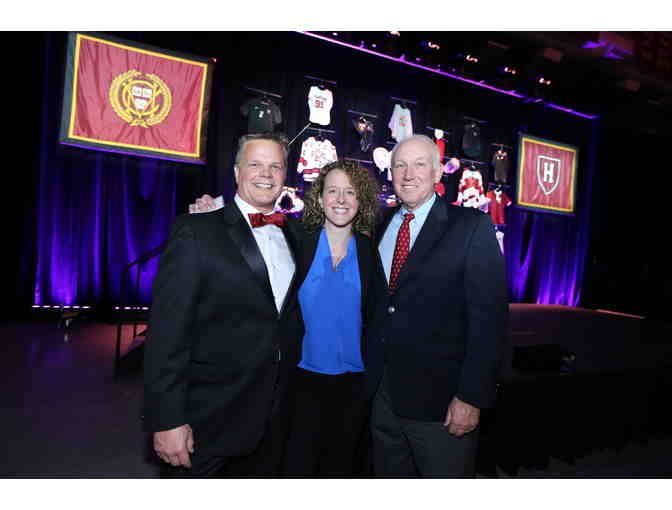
column 436, row 161
column 278, row 138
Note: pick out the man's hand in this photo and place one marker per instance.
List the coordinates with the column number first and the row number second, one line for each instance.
column 461, row 417
column 175, row 445
column 205, row 204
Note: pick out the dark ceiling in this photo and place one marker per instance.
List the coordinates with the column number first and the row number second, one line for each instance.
column 624, row 77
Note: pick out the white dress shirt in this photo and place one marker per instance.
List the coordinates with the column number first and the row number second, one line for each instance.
column 275, row 251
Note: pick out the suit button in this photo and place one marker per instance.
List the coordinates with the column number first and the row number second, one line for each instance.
column 391, row 310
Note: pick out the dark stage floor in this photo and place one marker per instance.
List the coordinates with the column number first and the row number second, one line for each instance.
column 65, row 416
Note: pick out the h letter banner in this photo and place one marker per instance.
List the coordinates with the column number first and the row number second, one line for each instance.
column 121, row 96
column 546, row 175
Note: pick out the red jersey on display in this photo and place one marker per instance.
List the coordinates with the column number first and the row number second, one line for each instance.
column 498, row 201
column 441, row 144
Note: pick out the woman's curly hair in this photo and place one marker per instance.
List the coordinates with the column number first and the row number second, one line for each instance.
column 366, row 190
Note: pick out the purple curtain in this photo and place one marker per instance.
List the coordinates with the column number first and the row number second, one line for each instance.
column 546, row 253
column 96, row 212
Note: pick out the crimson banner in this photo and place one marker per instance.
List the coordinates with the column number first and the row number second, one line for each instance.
column 546, row 175
column 125, row 97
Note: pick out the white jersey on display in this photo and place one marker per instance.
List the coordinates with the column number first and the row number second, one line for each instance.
column 382, row 158
column 470, row 191
column 320, row 102
column 314, row 155
column 401, row 124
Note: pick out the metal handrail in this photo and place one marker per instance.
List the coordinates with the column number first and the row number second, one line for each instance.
column 142, row 259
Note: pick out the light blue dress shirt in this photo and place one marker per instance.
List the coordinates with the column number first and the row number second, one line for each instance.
column 389, row 240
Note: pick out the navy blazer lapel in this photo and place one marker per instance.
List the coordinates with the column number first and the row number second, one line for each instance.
column 242, row 236
column 431, row 233
column 384, row 223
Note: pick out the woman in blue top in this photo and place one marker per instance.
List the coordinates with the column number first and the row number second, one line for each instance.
column 340, row 276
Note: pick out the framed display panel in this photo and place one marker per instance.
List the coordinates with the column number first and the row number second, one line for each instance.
column 122, row 96
column 546, row 180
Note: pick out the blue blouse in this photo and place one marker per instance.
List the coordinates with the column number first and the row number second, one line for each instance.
column 331, row 306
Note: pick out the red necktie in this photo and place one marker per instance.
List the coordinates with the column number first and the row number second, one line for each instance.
column 261, row 219
column 400, row 251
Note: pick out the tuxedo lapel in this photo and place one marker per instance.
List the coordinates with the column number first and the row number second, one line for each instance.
column 294, row 242
column 432, row 231
column 242, row 236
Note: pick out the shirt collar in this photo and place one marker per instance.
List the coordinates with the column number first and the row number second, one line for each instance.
column 421, row 212
column 246, row 208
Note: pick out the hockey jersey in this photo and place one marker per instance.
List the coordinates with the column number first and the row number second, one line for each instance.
column 288, row 202
column 400, row 123
column 262, row 115
column 471, row 142
column 500, row 161
column 498, row 201
column 320, row 102
column 382, row 159
column 441, row 144
column 314, row 155
column 470, row 191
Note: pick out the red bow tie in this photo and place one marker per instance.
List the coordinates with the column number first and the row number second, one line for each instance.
column 261, row 219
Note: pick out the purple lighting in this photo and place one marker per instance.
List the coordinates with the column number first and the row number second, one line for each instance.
column 442, row 73
column 573, row 112
column 419, row 66
column 62, row 307
column 128, row 153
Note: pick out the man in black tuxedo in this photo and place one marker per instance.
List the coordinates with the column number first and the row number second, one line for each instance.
column 224, row 325
column 432, row 350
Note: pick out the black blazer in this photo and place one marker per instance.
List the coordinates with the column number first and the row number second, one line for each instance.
column 441, row 334
column 371, row 275
column 218, row 351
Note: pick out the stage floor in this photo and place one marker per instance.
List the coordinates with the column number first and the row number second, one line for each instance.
column 65, row 416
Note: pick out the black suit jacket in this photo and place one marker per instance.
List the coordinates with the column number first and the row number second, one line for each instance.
column 371, row 275
column 218, row 351
column 442, row 332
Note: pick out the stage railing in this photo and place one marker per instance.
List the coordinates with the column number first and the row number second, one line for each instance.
column 134, row 354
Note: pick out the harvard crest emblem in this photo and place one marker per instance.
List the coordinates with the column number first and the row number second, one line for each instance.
column 140, row 100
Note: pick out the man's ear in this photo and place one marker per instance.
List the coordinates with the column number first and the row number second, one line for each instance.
column 235, row 173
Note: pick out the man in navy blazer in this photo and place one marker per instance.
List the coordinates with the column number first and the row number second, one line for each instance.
column 224, row 326
column 432, row 351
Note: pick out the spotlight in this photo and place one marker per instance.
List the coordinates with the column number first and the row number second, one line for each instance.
column 395, row 34
column 543, row 81
column 429, row 45
column 335, row 34
column 471, row 58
